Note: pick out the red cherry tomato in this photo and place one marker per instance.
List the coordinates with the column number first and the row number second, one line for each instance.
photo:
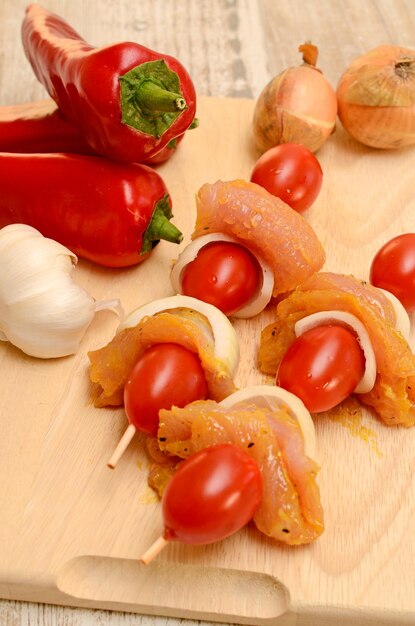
column 290, row 172
column 224, row 274
column 167, row 374
column 322, row 367
column 393, row 269
column 213, row 494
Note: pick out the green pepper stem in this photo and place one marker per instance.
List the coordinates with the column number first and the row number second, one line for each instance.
column 153, row 98
column 160, row 227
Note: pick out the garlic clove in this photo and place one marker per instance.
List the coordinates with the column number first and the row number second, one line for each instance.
column 50, row 323
column 346, row 319
column 264, row 293
column 42, row 310
column 16, row 236
column 110, row 305
column 223, row 333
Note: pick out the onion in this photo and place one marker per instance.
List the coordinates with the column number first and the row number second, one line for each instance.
column 402, row 319
column 297, row 106
column 376, row 98
column 226, row 345
column 273, row 397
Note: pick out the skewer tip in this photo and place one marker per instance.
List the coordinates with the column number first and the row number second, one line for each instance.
column 153, row 550
column 122, row 446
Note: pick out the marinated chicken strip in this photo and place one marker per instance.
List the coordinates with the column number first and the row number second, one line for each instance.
column 112, row 364
column 290, row 511
column 393, row 395
column 268, row 226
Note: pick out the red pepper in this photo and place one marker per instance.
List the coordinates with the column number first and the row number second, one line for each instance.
column 167, row 152
column 41, row 127
column 108, row 212
column 128, row 101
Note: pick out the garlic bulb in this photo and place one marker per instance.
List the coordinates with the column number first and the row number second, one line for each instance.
column 42, row 311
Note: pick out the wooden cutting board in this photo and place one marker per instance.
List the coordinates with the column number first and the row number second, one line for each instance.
column 71, row 530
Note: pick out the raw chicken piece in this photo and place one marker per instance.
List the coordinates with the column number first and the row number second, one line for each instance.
column 268, row 226
column 290, row 510
column 112, row 364
column 393, row 395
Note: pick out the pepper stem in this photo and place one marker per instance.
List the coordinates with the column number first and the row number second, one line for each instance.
column 160, row 227
column 153, row 99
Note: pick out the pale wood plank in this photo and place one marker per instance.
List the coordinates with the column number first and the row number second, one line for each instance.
column 334, row 570
column 341, row 30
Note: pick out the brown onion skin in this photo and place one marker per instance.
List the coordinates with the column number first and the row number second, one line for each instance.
column 297, row 106
column 376, row 98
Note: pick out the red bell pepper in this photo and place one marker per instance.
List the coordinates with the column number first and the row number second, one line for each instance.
column 107, row 212
column 128, row 101
column 41, row 127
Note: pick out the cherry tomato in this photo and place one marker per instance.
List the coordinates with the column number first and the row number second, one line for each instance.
column 213, row 494
column 224, row 274
column 167, row 374
column 290, row 172
column 393, row 269
column 322, row 367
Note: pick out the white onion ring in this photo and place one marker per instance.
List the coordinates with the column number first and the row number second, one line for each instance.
column 402, row 321
column 270, row 396
column 226, row 345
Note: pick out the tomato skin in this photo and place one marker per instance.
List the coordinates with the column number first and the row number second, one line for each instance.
column 290, row 172
column 167, row 374
column 212, row 495
column 224, row 274
column 322, row 367
column 393, row 269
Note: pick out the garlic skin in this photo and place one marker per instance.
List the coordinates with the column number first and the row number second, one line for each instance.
column 297, row 106
column 264, row 292
column 376, row 98
column 42, row 311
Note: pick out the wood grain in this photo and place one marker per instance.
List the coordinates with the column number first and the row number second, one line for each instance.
column 232, row 48
column 70, row 528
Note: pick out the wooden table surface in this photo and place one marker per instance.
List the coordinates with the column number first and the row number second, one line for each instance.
column 231, row 48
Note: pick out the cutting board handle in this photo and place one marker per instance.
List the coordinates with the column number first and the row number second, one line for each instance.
column 175, row 589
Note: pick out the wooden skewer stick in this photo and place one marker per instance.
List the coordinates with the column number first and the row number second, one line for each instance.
column 122, row 446
column 154, row 550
